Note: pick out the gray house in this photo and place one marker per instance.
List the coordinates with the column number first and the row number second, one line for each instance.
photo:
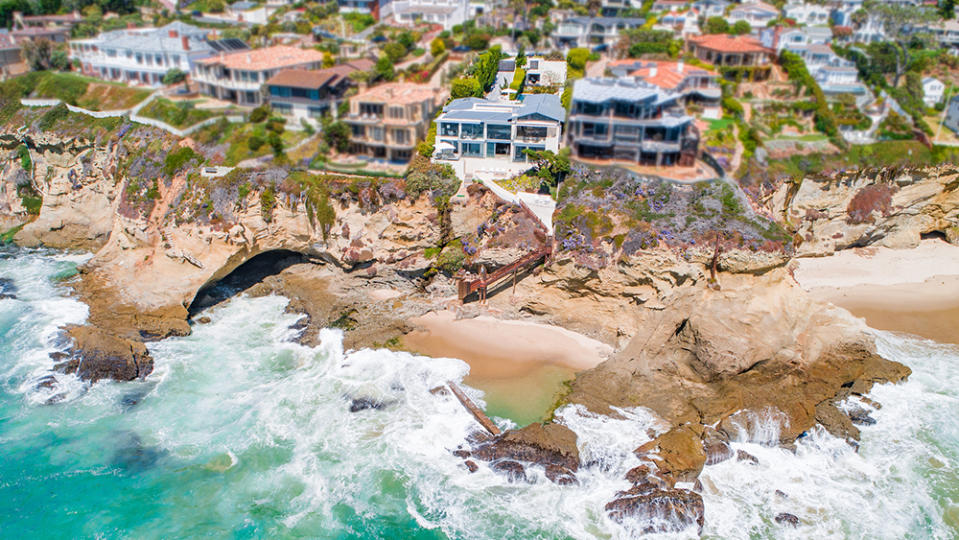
column 952, row 114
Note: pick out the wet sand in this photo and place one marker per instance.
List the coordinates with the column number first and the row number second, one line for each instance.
column 914, row 291
column 520, row 365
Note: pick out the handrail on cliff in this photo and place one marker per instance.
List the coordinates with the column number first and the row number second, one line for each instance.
column 468, row 287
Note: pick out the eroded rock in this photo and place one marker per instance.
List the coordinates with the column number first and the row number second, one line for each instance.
column 98, row 354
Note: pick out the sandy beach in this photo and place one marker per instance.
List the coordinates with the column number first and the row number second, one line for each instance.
column 914, row 291
column 521, row 365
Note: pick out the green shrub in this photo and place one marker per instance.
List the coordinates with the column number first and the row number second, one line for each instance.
column 267, row 204
column 25, row 161
column 260, row 113
column 176, row 159
column 255, row 142
column 52, row 117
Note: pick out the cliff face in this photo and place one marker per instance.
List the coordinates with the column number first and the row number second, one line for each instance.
column 891, row 208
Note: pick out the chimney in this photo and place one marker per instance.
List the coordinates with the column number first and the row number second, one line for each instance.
column 681, row 66
column 652, row 69
column 174, row 33
column 249, row 58
column 186, row 43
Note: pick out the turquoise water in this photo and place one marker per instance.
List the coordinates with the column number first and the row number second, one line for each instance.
column 242, row 433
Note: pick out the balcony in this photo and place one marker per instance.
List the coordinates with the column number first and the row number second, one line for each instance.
column 224, row 82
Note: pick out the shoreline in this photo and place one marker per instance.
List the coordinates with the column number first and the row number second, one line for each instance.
column 498, row 348
column 915, row 291
column 522, row 367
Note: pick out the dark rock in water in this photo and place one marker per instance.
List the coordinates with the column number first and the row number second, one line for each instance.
column 549, row 444
column 513, row 470
column 860, row 417
column 133, row 455
column 638, row 474
column 204, row 320
column 561, row 475
column 679, row 454
column 47, row 383
column 54, row 399
column 7, row 289
column 132, row 399
column 660, row 510
column 746, row 456
column 439, row 391
column 471, row 465
column 787, row 519
column 647, row 485
column 871, row 402
column 782, row 494
column 461, row 453
column 836, row 422
column 361, row 404
column 716, row 444
column 99, row 355
column 59, row 356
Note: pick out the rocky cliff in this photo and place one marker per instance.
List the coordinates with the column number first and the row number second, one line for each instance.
column 688, row 283
column 892, row 208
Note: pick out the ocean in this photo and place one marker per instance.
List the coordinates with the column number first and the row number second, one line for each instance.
column 242, row 433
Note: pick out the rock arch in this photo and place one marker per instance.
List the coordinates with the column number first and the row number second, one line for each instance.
column 227, row 283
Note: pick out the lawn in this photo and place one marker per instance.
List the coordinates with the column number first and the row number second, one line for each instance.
column 880, row 154
column 86, row 92
column 721, row 124
column 179, row 114
column 239, row 135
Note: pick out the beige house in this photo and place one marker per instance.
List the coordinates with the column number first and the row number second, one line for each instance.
column 387, row 121
column 240, row 76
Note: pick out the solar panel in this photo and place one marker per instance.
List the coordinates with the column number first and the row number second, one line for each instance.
column 228, row 45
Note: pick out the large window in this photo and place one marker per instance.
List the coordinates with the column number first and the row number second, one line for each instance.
column 317, row 112
column 396, row 112
column 448, row 129
column 594, row 130
column 472, row 149
column 283, row 108
column 401, row 136
column 531, row 132
column 374, row 109
column 520, row 154
column 358, row 130
column 498, row 132
column 471, row 131
column 377, row 133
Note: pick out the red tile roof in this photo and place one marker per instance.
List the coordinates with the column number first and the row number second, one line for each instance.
column 668, row 75
column 280, row 56
column 729, row 44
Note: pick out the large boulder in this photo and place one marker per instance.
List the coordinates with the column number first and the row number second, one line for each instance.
column 97, row 354
column 659, row 510
column 552, row 446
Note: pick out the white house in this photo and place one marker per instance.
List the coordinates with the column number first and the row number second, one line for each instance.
column 711, row 8
column 800, row 37
column 592, row 31
column 757, row 14
column 478, row 135
column 807, row 13
column 446, row 13
column 932, row 91
column 683, row 20
column 542, row 72
column 144, row 55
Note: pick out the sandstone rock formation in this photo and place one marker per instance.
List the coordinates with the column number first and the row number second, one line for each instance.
column 884, row 208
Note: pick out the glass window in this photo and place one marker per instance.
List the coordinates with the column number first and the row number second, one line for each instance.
column 448, row 129
column 471, row 131
column 401, row 136
column 396, row 112
column 316, row 112
column 358, row 130
column 283, row 108
column 472, row 149
column 498, row 132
